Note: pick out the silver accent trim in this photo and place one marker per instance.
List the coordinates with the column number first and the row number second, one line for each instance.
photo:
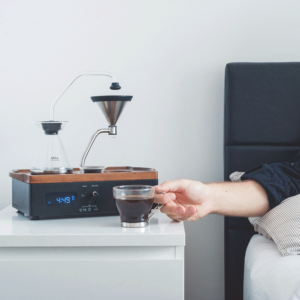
column 113, row 130
column 134, row 225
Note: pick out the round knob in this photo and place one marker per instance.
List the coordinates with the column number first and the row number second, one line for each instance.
column 84, row 194
column 95, row 194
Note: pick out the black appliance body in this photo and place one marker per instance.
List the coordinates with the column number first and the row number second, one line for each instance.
column 72, row 199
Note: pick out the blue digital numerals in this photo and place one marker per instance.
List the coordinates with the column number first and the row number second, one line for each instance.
column 65, row 200
column 60, row 198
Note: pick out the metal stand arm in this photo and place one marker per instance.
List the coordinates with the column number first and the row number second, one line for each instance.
column 111, row 130
column 86, row 152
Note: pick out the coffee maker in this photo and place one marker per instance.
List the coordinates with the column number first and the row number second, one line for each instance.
column 53, row 188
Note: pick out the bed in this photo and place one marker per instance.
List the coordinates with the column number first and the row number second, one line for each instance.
column 268, row 275
column 262, row 125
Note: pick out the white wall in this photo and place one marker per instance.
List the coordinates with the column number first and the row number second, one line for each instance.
column 171, row 56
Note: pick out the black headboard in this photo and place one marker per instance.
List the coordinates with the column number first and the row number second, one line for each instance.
column 262, row 125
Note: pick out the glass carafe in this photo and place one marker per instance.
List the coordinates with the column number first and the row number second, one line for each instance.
column 51, row 157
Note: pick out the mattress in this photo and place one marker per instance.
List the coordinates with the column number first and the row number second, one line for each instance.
column 268, row 275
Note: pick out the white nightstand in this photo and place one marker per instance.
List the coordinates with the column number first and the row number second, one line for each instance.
column 90, row 258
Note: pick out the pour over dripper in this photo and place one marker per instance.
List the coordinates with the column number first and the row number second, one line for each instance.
column 112, row 107
column 51, row 157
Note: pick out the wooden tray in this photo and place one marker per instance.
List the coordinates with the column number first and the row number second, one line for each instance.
column 110, row 174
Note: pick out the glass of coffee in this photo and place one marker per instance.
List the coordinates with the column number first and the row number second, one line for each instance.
column 134, row 203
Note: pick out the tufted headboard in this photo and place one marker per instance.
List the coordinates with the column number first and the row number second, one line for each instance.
column 262, row 125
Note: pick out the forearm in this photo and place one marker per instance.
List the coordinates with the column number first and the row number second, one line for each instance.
column 243, row 199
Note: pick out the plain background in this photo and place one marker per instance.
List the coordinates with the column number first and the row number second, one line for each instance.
column 171, row 56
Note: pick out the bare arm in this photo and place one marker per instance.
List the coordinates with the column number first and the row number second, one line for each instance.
column 191, row 200
column 239, row 199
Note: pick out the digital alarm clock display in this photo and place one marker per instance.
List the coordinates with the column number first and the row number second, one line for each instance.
column 60, row 198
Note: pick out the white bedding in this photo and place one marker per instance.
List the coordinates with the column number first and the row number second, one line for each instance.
column 268, row 275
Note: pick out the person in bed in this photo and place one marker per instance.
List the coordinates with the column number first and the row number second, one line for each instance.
column 261, row 189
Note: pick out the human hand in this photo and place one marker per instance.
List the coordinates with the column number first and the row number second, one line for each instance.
column 184, row 199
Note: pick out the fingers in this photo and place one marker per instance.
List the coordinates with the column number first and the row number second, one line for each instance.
column 169, row 187
column 173, row 208
column 175, row 211
column 181, row 218
column 164, row 198
column 173, row 186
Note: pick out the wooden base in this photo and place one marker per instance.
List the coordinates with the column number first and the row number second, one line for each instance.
column 110, row 174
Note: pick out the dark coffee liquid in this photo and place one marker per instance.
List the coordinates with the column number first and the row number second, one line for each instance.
column 134, row 209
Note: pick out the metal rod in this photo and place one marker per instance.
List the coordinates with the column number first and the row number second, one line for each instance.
column 96, row 73
column 104, row 130
column 111, row 130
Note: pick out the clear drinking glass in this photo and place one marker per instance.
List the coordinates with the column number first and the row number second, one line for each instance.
column 134, row 203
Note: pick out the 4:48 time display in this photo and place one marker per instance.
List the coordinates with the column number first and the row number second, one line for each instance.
column 63, row 198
